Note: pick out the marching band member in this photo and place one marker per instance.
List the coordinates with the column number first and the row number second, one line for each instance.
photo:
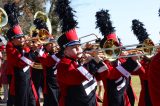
column 37, row 72
column 131, row 95
column 19, row 63
column 130, row 91
column 49, row 59
column 10, row 70
column 142, row 36
column 154, row 76
column 116, row 78
column 21, row 67
column 88, row 47
column 77, row 84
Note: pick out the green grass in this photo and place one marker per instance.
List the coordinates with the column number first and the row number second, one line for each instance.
column 136, row 86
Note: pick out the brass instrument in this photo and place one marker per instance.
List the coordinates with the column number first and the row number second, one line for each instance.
column 96, row 39
column 43, row 16
column 41, row 36
column 92, row 43
column 3, row 22
column 111, row 53
column 149, row 50
column 115, row 52
column 3, row 18
column 110, row 49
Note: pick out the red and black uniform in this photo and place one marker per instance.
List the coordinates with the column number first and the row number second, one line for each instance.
column 20, row 65
column 153, row 80
column 144, row 99
column 76, row 84
column 143, row 37
column 10, row 75
column 36, row 73
column 131, row 95
column 51, row 88
column 116, row 80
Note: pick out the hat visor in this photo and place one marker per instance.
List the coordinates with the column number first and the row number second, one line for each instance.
column 74, row 43
column 18, row 36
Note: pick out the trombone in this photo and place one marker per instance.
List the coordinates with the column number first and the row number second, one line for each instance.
column 97, row 39
column 145, row 51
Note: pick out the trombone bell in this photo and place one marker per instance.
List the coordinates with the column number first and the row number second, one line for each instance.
column 114, row 52
column 149, row 48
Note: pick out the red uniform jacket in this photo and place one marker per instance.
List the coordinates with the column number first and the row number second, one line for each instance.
column 144, row 79
column 47, row 61
column 153, row 80
column 71, row 74
column 15, row 59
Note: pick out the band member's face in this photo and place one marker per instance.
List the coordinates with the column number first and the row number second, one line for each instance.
column 73, row 51
column 16, row 1
column 18, row 41
column 49, row 47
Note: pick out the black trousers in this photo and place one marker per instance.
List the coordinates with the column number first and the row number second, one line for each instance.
column 52, row 98
column 38, row 79
column 10, row 101
column 23, row 91
column 53, row 92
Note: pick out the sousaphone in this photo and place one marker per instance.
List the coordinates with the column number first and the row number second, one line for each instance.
column 43, row 16
column 3, row 18
column 3, row 22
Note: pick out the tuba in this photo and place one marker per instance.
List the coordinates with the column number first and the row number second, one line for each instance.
column 3, row 18
column 3, row 22
column 42, row 35
column 43, row 16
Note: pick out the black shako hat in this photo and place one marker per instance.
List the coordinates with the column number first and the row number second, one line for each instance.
column 104, row 24
column 15, row 30
column 67, row 23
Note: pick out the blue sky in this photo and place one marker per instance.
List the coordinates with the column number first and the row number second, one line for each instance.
column 122, row 13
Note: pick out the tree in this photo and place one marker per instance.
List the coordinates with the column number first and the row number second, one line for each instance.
column 28, row 8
